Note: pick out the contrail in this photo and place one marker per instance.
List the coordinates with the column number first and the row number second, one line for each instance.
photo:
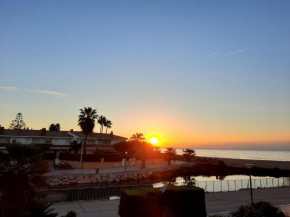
column 238, row 51
column 51, row 93
column 214, row 53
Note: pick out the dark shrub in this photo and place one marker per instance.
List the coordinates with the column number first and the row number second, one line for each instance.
column 41, row 209
column 71, row 214
column 259, row 209
column 181, row 201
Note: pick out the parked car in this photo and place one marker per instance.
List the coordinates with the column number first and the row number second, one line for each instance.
column 62, row 165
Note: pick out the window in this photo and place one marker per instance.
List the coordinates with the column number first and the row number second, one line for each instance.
column 48, row 141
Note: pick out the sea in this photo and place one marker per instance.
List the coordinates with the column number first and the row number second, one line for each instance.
column 242, row 154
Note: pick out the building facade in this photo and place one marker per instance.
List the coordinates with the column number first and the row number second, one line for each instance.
column 58, row 141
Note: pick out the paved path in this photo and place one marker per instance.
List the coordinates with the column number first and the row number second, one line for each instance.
column 215, row 203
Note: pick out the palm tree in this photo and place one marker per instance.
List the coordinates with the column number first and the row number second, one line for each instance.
column 102, row 121
column 170, row 154
column 188, row 154
column 86, row 121
column 138, row 136
column 108, row 125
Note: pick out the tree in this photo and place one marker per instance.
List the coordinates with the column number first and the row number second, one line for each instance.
column 102, row 121
column 54, row 127
column 124, row 146
column 108, row 125
column 259, row 209
column 170, row 155
column 18, row 123
column 86, row 121
column 21, row 170
column 138, row 136
column 75, row 145
column 188, row 154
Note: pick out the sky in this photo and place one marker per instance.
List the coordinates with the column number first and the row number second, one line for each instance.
column 203, row 74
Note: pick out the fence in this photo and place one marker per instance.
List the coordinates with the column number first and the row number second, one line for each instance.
column 96, row 193
column 113, row 192
column 119, row 168
column 232, row 185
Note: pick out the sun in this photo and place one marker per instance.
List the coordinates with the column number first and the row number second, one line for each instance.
column 154, row 140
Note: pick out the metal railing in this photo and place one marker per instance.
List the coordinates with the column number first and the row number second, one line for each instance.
column 232, row 185
column 96, row 193
column 113, row 192
column 129, row 168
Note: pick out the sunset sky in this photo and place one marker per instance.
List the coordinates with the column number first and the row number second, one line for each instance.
column 207, row 74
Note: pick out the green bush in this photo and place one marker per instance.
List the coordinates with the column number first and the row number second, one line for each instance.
column 259, row 209
column 183, row 201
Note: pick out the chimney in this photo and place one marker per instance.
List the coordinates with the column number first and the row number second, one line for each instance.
column 43, row 131
column 1, row 129
column 112, row 134
column 71, row 130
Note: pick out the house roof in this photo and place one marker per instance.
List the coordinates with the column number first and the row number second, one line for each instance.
column 98, row 135
column 34, row 133
column 58, row 134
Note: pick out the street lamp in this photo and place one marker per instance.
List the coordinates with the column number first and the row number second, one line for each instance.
column 249, row 166
column 126, row 160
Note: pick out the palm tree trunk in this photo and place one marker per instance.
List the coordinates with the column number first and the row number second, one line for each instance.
column 107, row 130
column 85, row 144
column 100, row 128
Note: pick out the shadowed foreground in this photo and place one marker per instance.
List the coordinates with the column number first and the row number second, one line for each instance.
column 215, row 203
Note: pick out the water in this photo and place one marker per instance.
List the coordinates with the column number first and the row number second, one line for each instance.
column 242, row 154
column 209, row 184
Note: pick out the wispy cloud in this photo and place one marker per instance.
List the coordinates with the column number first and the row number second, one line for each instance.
column 237, row 51
column 8, row 88
column 50, row 93
column 214, row 53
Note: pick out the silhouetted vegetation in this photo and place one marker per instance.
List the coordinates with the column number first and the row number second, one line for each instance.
column 188, row 154
column 86, row 121
column 142, row 151
column 182, row 201
column 138, row 149
column 21, row 170
column 75, row 145
column 170, row 154
column 102, row 120
column 54, row 127
column 18, row 123
column 259, row 209
column 138, row 137
column 108, row 125
column 71, row 214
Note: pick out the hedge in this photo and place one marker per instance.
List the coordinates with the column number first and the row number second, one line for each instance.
column 182, row 201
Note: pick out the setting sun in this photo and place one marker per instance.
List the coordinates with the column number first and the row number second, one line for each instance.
column 153, row 140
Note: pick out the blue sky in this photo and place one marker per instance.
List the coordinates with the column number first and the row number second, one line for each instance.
column 188, row 71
